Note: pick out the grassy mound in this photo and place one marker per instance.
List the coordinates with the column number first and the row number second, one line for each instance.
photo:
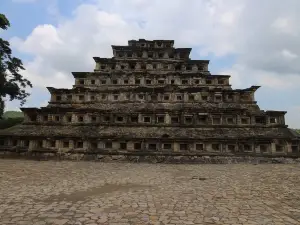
column 11, row 118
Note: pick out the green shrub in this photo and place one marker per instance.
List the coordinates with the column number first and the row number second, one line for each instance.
column 6, row 123
column 13, row 114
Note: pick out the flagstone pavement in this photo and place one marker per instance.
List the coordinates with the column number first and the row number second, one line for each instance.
column 81, row 193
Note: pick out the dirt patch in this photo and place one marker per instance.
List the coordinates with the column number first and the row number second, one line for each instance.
column 95, row 191
column 181, row 173
column 198, row 178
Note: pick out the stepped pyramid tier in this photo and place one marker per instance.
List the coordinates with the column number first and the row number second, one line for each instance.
column 151, row 98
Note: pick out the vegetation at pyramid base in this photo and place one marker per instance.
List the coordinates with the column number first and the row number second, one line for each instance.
column 11, row 118
column 13, row 114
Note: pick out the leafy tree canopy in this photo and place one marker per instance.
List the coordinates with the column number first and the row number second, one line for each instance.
column 12, row 83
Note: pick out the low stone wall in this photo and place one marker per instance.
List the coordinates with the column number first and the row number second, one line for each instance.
column 151, row 158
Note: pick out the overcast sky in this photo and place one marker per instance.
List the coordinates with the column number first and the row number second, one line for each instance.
column 256, row 42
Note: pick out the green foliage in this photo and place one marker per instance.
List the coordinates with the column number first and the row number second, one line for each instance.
column 12, row 83
column 297, row 130
column 4, row 23
column 11, row 118
column 13, row 114
column 6, row 123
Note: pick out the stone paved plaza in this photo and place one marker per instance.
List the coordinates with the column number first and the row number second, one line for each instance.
column 52, row 192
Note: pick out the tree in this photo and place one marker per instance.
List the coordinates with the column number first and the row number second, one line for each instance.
column 12, row 83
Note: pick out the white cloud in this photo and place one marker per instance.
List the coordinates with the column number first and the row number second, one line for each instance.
column 243, row 76
column 286, row 25
column 44, row 103
column 71, row 45
column 288, row 54
column 292, row 116
column 264, row 37
column 13, row 107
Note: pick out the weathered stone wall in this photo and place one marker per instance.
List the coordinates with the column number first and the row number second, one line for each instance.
column 151, row 159
column 154, row 79
column 217, row 118
column 162, row 106
column 152, row 146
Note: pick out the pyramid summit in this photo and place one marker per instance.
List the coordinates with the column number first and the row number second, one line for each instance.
column 150, row 98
